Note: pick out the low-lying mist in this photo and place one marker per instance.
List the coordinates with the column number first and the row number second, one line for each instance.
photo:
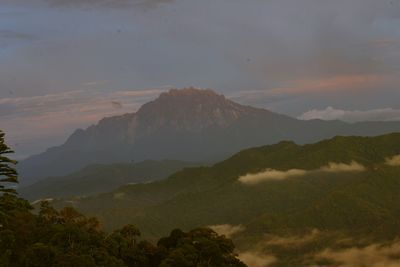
column 276, row 175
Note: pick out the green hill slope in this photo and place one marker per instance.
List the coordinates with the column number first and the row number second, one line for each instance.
column 102, row 178
column 338, row 189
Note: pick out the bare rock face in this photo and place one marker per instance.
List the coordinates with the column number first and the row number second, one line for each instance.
column 187, row 110
column 188, row 124
column 190, row 109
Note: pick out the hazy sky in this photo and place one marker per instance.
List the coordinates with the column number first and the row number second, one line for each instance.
column 67, row 63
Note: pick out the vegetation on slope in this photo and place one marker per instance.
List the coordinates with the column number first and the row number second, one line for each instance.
column 361, row 206
column 95, row 179
column 66, row 238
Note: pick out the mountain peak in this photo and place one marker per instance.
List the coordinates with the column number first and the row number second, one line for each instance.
column 190, row 92
column 190, row 95
column 185, row 124
column 191, row 109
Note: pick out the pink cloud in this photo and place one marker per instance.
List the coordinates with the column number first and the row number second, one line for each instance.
column 336, row 83
column 54, row 117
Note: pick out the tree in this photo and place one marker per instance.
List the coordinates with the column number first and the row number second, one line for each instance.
column 67, row 238
column 123, row 243
column 7, row 172
column 10, row 203
column 199, row 247
column 130, row 233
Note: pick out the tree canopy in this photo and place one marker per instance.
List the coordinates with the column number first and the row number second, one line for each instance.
column 8, row 174
column 67, row 238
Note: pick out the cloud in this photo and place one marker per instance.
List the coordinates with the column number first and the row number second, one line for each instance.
column 335, row 83
column 319, row 85
column 342, row 167
column 95, row 83
column 7, row 108
column 34, row 123
column 227, row 229
column 330, row 113
column 8, row 37
column 255, row 259
column 91, row 3
column 107, row 3
column 7, row 34
column 333, row 45
column 294, row 97
column 116, row 104
column 394, row 161
column 383, row 43
column 291, row 241
column 349, row 255
column 261, row 256
column 277, row 175
column 376, row 255
column 289, row 49
column 271, row 175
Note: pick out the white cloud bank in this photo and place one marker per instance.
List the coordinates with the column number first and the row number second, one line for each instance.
column 259, row 255
column 270, row 175
column 227, row 229
column 373, row 256
column 276, row 175
column 330, row 113
column 394, row 161
column 253, row 259
column 343, row 167
column 289, row 241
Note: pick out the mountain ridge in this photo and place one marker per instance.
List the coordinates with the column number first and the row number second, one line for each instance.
column 184, row 124
column 99, row 178
column 328, row 198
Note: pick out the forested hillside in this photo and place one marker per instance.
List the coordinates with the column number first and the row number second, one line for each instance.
column 189, row 125
column 100, row 178
column 342, row 188
column 66, row 238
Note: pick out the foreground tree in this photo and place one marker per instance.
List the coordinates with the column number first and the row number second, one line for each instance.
column 200, row 247
column 8, row 174
column 16, row 221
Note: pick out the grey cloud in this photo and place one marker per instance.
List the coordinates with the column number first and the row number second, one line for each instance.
column 37, row 122
column 107, row 3
column 330, row 113
column 8, row 37
column 89, row 4
column 7, row 109
column 376, row 255
column 318, row 40
column 259, row 47
column 7, row 34
column 116, row 104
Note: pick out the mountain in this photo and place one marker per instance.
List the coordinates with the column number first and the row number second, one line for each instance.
column 299, row 205
column 95, row 179
column 188, row 124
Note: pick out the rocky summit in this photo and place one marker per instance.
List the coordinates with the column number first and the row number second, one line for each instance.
column 184, row 124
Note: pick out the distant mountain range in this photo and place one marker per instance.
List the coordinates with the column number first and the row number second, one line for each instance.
column 301, row 205
column 187, row 124
column 100, row 178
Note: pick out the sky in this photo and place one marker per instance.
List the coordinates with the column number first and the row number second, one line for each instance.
column 65, row 64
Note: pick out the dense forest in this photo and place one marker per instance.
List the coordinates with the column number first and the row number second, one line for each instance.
column 66, row 238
